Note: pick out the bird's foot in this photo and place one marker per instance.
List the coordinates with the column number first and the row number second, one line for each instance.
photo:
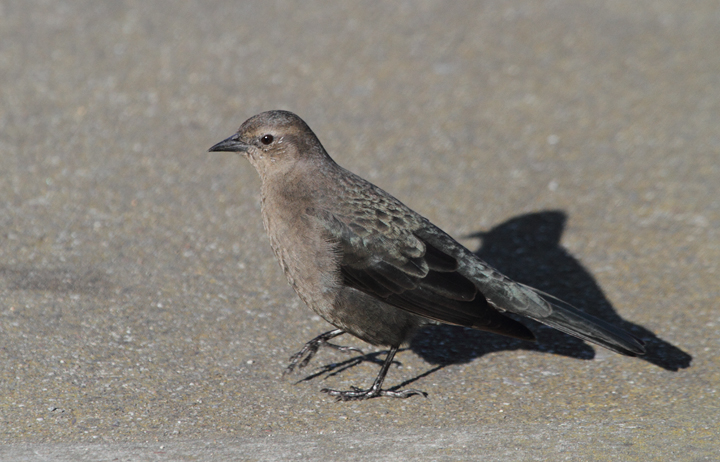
column 303, row 357
column 357, row 394
column 343, row 348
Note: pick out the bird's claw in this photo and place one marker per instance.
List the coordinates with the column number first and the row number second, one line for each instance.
column 358, row 394
column 303, row 357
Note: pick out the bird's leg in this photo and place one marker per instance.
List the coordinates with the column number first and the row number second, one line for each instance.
column 312, row 347
column 376, row 389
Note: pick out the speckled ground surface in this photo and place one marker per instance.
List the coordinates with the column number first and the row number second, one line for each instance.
column 575, row 145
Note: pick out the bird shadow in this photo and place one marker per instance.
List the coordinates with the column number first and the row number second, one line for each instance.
column 527, row 249
column 333, row 369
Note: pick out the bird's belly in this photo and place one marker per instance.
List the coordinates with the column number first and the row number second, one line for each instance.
column 312, row 267
column 372, row 320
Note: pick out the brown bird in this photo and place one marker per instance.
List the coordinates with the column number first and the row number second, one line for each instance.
column 374, row 268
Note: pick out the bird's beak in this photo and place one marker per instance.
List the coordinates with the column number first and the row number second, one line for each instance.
column 232, row 144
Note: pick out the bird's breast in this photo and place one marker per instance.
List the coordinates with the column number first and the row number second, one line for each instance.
column 308, row 259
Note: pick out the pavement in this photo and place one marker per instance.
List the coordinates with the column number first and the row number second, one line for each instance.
column 572, row 144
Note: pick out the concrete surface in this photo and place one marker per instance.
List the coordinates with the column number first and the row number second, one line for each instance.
column 143, row 316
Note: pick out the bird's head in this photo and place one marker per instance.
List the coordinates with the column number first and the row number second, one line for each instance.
column 274, row 140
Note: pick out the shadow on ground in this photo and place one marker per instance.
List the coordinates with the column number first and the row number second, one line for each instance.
column 61, row 280
column 527, row 249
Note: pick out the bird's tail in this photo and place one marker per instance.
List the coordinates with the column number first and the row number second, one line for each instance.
column 568, row 319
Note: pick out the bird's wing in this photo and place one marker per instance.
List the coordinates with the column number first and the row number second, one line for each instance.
column 382, row 257
column 507, row 295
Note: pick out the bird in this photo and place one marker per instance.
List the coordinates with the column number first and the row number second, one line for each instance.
column 376, row 269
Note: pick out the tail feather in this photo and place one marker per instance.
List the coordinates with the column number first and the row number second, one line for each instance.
column 592, row 329
column 566, row 318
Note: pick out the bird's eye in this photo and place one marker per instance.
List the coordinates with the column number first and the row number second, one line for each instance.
column 267, row 139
